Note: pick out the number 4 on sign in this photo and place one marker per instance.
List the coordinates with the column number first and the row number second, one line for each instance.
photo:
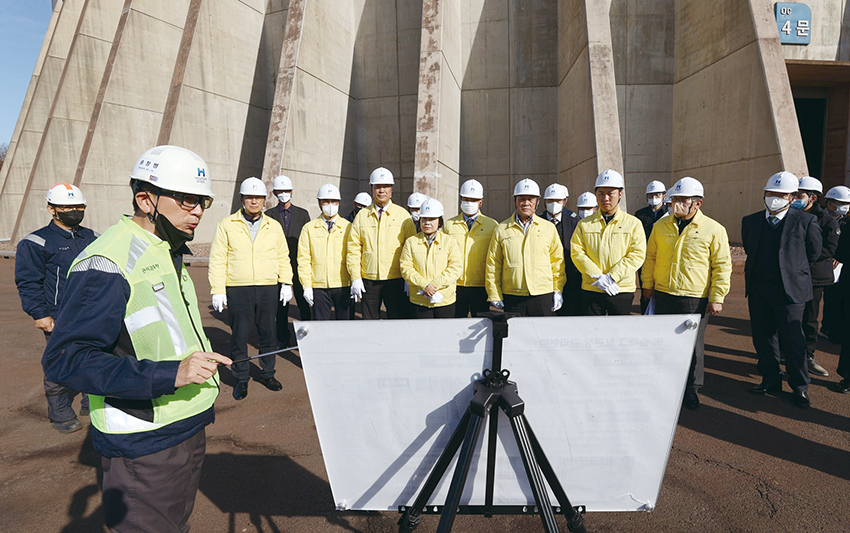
column 786, row 28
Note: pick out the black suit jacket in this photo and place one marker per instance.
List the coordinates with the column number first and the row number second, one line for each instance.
column 569, row 221
column 300, row 216
column 799, row 246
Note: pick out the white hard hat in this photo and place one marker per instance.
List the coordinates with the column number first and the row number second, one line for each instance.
column 610, row 178
column 282, row 183
column 472, row 189
column 416, row 199
column 381, row 176
column 65, row 194
column 808, row 183
column 174, row 169
column 527, row 187
column 363, row 199
column 328, row 191
column 587, row 199
column 687, row 187
column 783, row 182
column 556, row 192
column 838, row 193
column 252, row 187
column 431, row 208
column 655, row 186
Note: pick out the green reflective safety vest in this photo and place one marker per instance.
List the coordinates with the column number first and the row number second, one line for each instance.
column 163, row 322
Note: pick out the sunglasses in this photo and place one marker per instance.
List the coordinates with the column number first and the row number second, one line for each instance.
column 190, row 201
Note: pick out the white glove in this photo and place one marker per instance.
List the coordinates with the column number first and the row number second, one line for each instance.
column 602, row 281
column 407, row 289
column 612, row 289
column 219, row 302
column 437, row 298
column 557, row 301
column 498, row 304
column 357, row 289
column 285, row 293
column 308, row 295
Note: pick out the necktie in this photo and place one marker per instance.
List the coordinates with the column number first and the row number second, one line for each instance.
column 330, row 224
column 469, row 223
column 773, row 220
column 380, row 212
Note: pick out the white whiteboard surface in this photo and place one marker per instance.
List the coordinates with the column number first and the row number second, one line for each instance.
column 602, row 395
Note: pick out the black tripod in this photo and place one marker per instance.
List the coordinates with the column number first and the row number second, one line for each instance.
column 493, row 391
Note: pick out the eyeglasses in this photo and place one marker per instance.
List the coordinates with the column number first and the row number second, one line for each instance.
column 66, row 208
column 190, row 201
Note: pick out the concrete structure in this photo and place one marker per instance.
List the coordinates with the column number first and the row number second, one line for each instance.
column 438, row 91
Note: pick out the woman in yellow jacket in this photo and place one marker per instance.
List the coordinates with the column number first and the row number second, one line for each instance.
column 430, row 264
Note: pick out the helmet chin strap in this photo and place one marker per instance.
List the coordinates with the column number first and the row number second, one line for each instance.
column 165, row 230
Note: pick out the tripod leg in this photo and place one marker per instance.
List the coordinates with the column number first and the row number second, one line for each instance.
column 461, row 472
column 575, row 522
column 412, row 516
column 493, row 430
column 535, row 477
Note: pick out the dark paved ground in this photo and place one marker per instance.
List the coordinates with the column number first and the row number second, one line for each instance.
column 739, row 463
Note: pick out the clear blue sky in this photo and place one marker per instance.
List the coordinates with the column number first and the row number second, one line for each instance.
column 23, row 24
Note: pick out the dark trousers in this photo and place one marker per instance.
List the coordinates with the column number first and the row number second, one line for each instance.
column 471, row 301
column 154, row 492
column 810, row 320
column 325, row 299
column 833, row 309
column 777, row 326
column 668, row 304
column 443, row 311
column 600, row 304
column 844, row 360
column 249, row 307
column 283, row 333
column 572, row 302
column 59, row 399
column 540, row 305
column 391, row 293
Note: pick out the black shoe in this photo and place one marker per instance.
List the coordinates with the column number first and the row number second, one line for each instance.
column 691, row 401
column 801, row 399
column 69, row 426
column 240, row 391
column 271, row 383
column 842, row 387
column 766, row 388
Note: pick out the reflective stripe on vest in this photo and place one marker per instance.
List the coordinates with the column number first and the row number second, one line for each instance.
column 161, row 317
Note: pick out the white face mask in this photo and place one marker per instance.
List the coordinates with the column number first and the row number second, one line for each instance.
column 842, row 209
column 584, row 213
column 654, row 201
column 774, row 203
column 469, row 208
column 554, row 207
column 284, row 197
column 330, row 210
column 415, row 216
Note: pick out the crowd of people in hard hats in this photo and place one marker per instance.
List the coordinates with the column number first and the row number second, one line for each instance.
column 123, row 326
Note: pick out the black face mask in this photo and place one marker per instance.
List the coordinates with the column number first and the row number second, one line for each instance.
column 167, row 232
column 72, row 219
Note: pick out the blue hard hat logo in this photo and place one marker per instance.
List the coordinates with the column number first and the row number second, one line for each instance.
column 778, row 181
column 202, row 172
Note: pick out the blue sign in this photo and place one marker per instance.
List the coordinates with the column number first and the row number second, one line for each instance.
column 794, row 22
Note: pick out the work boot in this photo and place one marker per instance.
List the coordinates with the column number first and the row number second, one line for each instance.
column 240, row 391
column 84, row 406
column 842, row 386
column 816, row 369
column 69, row 426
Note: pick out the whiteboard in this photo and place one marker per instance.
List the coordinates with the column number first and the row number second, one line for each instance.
column 602, row 395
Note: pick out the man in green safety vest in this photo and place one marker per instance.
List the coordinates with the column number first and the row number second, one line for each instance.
column 129, row 334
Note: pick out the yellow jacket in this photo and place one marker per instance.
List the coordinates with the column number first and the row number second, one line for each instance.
column 236, row 261
column 439, row 264
column 374, row 246
column 473, row 244
column 321, row 255
column 617, row 248
column 696, row 263
column 524, row 264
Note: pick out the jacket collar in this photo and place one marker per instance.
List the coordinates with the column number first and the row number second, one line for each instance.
column 65, row 234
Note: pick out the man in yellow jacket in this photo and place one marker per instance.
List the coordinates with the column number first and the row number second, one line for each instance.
column 472, row 230
column 375, row 241
column 248, row 258
column 688, row 269
column 608, row 247
column 321, row 259
column 525, row 260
